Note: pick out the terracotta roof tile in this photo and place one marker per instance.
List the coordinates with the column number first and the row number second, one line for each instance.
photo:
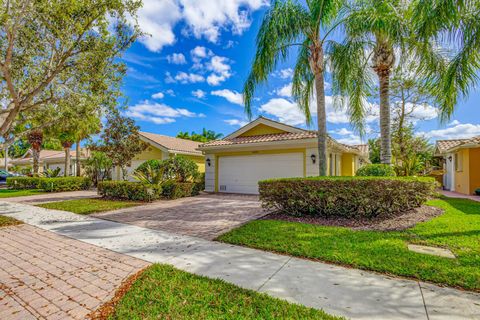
column 445, row 145
column 276, row 137
column 173, row 144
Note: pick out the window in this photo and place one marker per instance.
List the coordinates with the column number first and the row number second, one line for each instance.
column 459, row 161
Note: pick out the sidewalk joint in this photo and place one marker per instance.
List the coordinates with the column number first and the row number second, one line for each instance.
column 273, row 275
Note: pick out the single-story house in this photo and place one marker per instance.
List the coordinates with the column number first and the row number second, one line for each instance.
column 265, row 149
column 461, row 164
column 50, row 159
column 162, row 147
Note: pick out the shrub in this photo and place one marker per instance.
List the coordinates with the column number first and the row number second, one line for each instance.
column 346, row 197
column 477, row 192
column 376, row 170
column 64, row 184
column 173, row 190
column 179, row 168
column 148, row 165
column 129, row 190
column 23, row 182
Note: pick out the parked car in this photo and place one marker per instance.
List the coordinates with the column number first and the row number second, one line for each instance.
column 4, row 175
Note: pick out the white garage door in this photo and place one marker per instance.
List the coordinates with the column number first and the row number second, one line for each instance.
column 240, row 174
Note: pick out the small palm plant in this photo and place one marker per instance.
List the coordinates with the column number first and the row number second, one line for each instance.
column 51, row 173
column 149, row 175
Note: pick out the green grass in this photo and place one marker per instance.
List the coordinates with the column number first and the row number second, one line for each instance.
column 88, row 206
column 7, row 221
column 458, row 229
column 163, row 292
column 9, row 193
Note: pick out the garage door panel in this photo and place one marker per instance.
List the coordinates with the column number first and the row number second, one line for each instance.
column 240, row 174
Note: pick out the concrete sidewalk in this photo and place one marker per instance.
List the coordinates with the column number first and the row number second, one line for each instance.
column 342, row 291
column 53, row 197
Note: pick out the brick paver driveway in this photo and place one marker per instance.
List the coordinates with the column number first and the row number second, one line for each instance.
column 206, row 216
column 47, row 276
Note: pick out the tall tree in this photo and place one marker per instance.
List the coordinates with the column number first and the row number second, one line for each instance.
column 47, row 46
column 205, row 136
column 35, row 138
column 288, row 24
column 67, row 139
column 120, row 141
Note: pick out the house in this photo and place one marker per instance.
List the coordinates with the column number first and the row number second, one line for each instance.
column 266, row 149
column 49, row 159
column 162, row 147
column 461, row 164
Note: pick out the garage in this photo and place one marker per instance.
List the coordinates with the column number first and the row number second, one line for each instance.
column 240, row 174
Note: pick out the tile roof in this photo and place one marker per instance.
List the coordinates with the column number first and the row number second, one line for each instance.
column 445, row 145
column 51, row 155
column 278, row 137
column 173, row 144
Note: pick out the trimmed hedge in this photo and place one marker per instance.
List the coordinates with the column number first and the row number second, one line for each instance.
column 376, row 170
column 128, row 190
column 346, row 197
column 175, row 190
column 21, row 183
column 65, row 184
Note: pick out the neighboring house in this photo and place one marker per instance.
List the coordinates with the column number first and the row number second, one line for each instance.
column 461, row 164
column 265, row 149
column 50, row 159
column 7, row 164
column 162, row 147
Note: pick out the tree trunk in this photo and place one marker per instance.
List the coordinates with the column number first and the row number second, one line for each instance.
column 385, row 137
column 36, row 156
column 77, row 155
column 322, row 124
column 6, row 158
column 67, row 162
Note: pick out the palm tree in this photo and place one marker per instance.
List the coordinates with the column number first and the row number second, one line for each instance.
column 35, row 138
column 286, row 24
column 376, row 35
column 67, row 139
column 456, row 23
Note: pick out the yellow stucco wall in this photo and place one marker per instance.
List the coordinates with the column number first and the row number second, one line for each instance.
column 150, row 154
column 261, row 129
column 474, row 161
column 462, row 177
column 348, row 164
column 200, row 161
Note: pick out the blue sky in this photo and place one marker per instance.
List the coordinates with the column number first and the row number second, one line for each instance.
column 188, row 74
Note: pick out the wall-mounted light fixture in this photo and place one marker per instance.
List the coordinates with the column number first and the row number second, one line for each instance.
column 450, row 158
column 314, row 158
column 209, row 162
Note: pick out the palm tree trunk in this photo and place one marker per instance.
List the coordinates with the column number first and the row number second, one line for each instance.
column 36, row 156
column 322, row 124
column 77, row 155
column 67, row 162
column 385, row 137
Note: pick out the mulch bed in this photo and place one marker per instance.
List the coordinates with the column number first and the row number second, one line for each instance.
column 400, row 222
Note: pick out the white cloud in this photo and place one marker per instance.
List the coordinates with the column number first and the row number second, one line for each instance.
column 216, row 79
column 453, row 123
column 236, row 122
column 176, row 58
column 421, row 112
column 158, row 113
column 350, row 139
column 220, row 70
column 157, row 19
column 231, row 96
column 342, row 131
column 286, row 111
column 199, row 93
column 184, row 77
column 170, row 92
column 200, row 52
column 458, row 131
column 285, row 91
column 284, row 73
column 207, row 18
column 158, row 95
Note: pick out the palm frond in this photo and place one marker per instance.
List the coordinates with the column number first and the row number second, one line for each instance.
column 302, row 82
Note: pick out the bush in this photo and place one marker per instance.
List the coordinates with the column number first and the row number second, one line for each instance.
column 64, row 184
column 477, row 192
column 148, row 165
column 174, row 190
column 376, row 170
column 179, row 168
column 129, row 190
column 20, row 183
column 346, row 197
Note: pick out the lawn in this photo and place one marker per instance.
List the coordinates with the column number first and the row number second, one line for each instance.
column 9, row 193
column 163, row 292
column 88, row 206
column 7, row 221
column 458, row 229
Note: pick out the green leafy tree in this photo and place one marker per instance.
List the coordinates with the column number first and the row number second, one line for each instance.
column 179, row 168
column 205, row 136
column 48, row 47
column 374, row 150
column 98, row 167
column 290, row 24
column 120, row 141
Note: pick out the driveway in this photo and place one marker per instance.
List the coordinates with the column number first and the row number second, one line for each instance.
column 205, row 216
column 47, row 276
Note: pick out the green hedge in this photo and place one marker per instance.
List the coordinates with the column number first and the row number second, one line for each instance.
column 20, row 183
column 175, row 190
column 346, row 197
column 376, row 170
column 64, row 184
column 129, row 190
